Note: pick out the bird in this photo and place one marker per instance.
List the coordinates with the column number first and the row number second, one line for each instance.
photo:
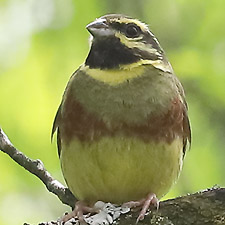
column 122, row 125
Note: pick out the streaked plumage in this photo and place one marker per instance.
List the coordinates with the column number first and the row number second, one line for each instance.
column 122, row 125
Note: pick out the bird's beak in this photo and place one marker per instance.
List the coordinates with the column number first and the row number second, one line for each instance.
column 99, row 28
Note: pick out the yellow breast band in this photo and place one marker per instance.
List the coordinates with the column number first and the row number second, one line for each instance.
column 125, row 72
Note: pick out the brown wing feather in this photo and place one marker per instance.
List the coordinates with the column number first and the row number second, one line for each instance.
column 58, row 118
column 186, row 130
column 56, row 127
column 186, row 122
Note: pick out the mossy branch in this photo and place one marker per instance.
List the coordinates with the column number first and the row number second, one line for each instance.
column 203, row 208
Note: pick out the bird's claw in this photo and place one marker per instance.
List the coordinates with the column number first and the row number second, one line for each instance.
column 145, row 203
column 80, row 209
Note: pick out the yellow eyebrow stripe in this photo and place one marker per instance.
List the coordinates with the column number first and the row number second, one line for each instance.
column 142, row 25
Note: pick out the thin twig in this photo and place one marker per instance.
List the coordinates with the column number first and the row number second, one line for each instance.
column 37, row 168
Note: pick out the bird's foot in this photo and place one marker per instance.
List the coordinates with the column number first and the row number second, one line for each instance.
column 145, row 203
column 80, row 209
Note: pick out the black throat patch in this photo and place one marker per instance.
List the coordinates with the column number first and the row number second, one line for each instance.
column 109, row 53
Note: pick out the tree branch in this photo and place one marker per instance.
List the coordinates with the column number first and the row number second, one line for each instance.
column 37, row 168
column 202, row 208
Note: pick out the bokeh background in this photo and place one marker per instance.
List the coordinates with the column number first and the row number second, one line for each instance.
column 41, row 44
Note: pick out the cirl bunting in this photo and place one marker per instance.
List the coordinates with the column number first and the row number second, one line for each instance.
column 122, row 126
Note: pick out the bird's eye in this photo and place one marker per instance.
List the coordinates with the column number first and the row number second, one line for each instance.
column 132, row 31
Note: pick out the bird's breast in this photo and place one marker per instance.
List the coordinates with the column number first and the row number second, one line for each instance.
column 120, row 143
column 143, row 108
column 120, row 169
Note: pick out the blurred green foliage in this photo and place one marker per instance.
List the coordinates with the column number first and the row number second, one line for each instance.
column 43, row 42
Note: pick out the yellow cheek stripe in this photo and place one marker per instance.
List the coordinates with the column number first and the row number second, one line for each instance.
column 125, row 72
column 135, row 43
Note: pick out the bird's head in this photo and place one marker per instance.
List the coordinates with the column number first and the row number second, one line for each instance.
column 118, row 40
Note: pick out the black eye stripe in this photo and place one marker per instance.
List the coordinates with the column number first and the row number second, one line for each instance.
column 129, row 29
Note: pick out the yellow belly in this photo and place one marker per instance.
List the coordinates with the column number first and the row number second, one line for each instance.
column 118, row 170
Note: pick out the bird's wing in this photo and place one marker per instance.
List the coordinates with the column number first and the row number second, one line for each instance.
column 56, row 127
column 58, row 117
column 186, row 122
column 186, row 130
